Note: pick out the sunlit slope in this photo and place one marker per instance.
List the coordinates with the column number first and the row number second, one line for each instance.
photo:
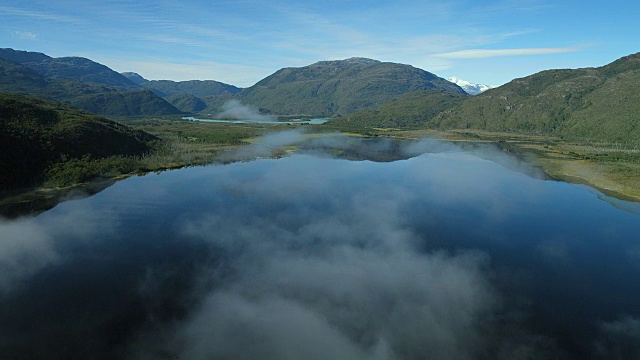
column 408, row 111
column 592, row 103
column 329, row 88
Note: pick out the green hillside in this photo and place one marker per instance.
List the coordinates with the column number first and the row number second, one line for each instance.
column 76, row 68
column 36, row 135
column 329, row 88
column 592, row 103
column 197, row 88
column 98, row 98
column 188, row 96
column 408, row 111
column 187, row 103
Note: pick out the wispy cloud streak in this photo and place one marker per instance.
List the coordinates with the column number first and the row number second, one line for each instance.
column 39, row 15
column 489, row 53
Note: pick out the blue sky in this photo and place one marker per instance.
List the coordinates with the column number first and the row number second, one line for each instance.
column 240, row 42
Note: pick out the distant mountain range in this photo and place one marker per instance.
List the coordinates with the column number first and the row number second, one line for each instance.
column 325, row 88
column 469, row 88
column 79, row 82
column 598, row 103
column 188, row 96
column 76, row 68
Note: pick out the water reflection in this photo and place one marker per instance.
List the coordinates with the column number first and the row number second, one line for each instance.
column 450, row 254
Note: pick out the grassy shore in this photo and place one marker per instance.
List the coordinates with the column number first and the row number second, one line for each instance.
column 611, row 168
column 614, row 169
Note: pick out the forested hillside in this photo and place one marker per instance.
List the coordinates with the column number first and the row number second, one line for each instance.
column 330, row 88
column 591, row 103
column 36, row 134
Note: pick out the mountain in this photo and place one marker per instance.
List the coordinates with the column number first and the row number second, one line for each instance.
column 591, row 103
column 329, row 88
column 197, row 88
column 134, row 77
column 35, row 134
column 187, row 103
column 21, row 57
column 190, row 96
column 411, row 110
column 469, row 88
column 95, row 96
column 76, row 68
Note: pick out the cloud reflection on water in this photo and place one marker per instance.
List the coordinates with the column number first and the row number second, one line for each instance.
column 448, row 254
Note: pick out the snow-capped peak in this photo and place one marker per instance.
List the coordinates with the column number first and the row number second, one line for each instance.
column 470, row 88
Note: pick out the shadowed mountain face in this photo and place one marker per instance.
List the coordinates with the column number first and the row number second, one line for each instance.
column 36, row 134
column 594, row 103
column 329, row 88
column 79, row 82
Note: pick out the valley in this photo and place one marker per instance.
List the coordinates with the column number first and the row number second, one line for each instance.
column 578, row 125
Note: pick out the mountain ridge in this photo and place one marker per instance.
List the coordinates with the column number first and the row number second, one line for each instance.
column 589, row 103
column 329, row 88
column 126, row 99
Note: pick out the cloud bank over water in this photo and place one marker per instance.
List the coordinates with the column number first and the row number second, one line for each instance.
column 347, row 285
column 234, row 109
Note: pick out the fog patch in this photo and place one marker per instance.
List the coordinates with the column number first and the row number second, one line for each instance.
column 268, row 145
column 27, row 245
column 344, row 283
column 234, row 109
column 25, row 248
column 619, row 339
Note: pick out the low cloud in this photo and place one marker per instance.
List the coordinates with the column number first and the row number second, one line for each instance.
column 348, row 285
column 234, row 109
column 24, row 249
column 28, row 245
column 265, row 146
column 619, row 339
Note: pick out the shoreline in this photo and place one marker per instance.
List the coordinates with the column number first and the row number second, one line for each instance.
column 562, row 160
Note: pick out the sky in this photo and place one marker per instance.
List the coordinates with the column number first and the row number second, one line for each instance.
column 240, row 42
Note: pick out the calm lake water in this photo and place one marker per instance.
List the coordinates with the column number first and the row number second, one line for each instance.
column 434, row 253
column 317, row 121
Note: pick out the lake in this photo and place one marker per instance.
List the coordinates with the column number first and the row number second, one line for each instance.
column 260, row 120
column 346, row 249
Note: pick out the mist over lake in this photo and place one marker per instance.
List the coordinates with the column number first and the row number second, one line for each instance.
column 346, row 249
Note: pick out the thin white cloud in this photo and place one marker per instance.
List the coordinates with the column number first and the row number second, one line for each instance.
column 489, row 53
column 38, row 15
column 25, row 35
